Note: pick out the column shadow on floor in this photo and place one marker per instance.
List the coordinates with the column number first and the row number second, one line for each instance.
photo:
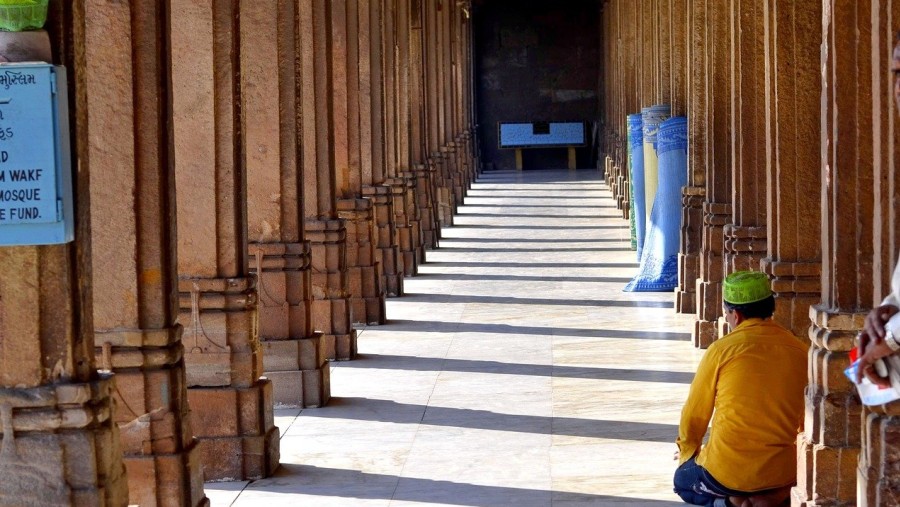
column 512, row 250
column 543, row 227
column 437, row 364
column 508, row 206
column 464, row 214
column 526, row 278
column 579, row 265
column 466, row 299
column 463, row 239
column 430, row 326
column 388, row 411
column 353, row 484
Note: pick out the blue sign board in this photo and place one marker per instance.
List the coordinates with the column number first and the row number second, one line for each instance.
column 541, row 134
column 35, row 169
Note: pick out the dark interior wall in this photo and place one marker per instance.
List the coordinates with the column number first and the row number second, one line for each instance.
column 535, row 61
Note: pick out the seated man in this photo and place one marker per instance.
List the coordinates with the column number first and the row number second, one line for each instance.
column 751, row 383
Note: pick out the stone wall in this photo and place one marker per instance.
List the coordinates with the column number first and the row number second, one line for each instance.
column 536, row 61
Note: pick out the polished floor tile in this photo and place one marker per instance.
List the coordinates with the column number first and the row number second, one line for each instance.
column 515, row 372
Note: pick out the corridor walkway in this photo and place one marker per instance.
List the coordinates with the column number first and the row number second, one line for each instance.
column 515, row 372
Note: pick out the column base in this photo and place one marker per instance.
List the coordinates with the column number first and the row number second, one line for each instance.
column 171, row 484
column 330, row 308
column 299, row 372
column 60, row 446
column 220, row 339
column 685, row 302
column 825, row 476
column 690, row 244
column 338, row 345
column 366, row 301
column 235, row 429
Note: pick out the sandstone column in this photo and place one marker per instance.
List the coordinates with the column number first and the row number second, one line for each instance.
column 134, row 273
column 877, row 476
column 231, row 405
column 402, row 133
column 693, row 194
column 793, row 162
column 60, row 444
column 401, row 95
column 374, row 168
column 678, row 59
column 324, row 230
column 351, row 138
column 423, row 110
column 716, row 206
column 293, row 354
column 745, row 236
column 829, row 445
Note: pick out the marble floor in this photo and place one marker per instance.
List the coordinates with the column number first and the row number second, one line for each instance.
column 514, row 372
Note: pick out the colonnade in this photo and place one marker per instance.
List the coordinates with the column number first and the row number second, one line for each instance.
column 792, row 171
column 252, row 179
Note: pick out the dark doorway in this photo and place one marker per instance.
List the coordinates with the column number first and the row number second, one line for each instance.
column 535, row 61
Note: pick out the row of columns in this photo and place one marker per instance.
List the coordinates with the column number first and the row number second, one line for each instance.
column 792, row 157
column 251, row 181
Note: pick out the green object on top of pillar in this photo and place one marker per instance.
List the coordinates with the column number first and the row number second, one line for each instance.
column 21, row 15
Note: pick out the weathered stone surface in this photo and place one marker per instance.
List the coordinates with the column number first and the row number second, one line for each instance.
column 133, row 263
column 218, row 297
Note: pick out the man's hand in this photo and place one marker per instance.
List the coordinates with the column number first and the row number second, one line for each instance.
column 870, row 352
column 871, row 346
column 875, row 321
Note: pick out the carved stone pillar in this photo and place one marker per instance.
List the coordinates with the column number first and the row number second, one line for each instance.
column 404, row 93
column 231, row 405
column 133, row 251
column 373, row 161
column 717, row 206
column 878, row 464
column 794, row 249
column 293, row 354
column 829, row 445
column 679, row 49
column 330, row 309
column 60, row 444
column 693, row 195
column 352, row 141
column 745, row 236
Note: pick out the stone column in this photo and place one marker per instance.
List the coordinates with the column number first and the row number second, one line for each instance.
column 374, row 175
column 694, row 193
column 829, row 445
column 435, row 162
column 402, row 94
column 279, row 256
column 679, row 47
column 423, row 109
column 716, row 206
column 745, row 236
column 351, row 137
column 134, row 272
column 230, row 404
column 878, row 463
column 326, row 233
column 792, row 35
column 60, row 444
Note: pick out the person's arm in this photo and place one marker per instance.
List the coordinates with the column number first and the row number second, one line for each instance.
column 698, row 408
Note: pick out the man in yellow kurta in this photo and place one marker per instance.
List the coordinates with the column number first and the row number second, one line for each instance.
column 751, row 383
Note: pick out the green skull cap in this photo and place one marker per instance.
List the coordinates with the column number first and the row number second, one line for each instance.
column 745, row 287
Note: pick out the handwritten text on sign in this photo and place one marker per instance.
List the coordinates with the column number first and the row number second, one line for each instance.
column 27, row 149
